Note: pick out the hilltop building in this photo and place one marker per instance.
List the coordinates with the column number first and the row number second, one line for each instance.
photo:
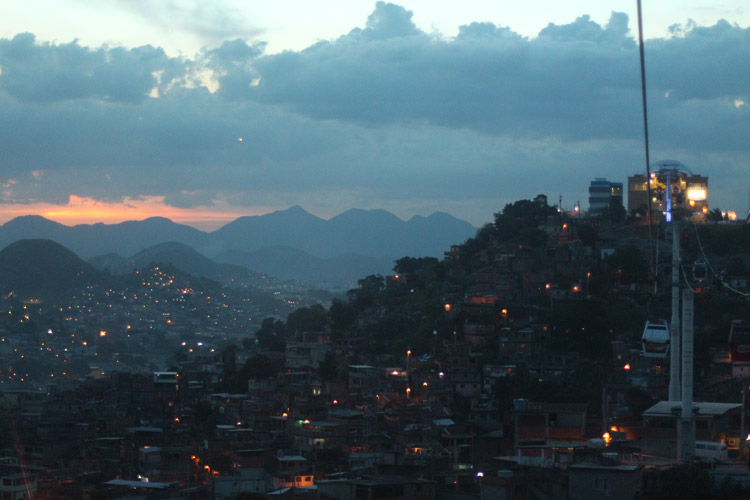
column 689, row 193
column 602, row 195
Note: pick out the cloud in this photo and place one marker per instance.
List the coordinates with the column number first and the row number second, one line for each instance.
column 389, row 21
column 42, row 72
column 211, row 22
column 487, row 78
column 385, row 116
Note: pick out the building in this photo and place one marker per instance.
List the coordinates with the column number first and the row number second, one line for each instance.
column 687, row 192
column 602, row 195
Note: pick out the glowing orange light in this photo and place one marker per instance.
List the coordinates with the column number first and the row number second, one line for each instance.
column 447, row 307
column 627, row 366
column 102, row 333
column 80, row 210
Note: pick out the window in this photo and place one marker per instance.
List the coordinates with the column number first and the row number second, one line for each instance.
column 600, row 483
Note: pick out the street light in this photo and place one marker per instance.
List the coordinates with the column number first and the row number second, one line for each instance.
column 505, row 317
column 480, row 476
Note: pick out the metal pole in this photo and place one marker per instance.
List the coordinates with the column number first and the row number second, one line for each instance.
column 687, row 427
column 742, row 419
column 674, row 347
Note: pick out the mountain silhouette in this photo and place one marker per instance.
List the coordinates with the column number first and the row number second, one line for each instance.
column 43, row 269
column 359, row 241
column 291, row 264
column 180, row 256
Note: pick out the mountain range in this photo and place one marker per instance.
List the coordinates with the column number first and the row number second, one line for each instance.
column 289, row 244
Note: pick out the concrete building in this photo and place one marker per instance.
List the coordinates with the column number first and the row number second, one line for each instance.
column 689, row 193
column 602, row 194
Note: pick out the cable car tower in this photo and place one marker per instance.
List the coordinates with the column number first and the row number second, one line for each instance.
column 671, row 170
column 669, row 173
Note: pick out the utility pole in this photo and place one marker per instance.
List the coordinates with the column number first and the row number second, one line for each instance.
column 674, row 327
column 686, row 438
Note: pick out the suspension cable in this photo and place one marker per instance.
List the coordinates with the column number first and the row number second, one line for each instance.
column 652, row 257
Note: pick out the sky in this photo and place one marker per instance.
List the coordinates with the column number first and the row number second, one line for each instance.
column 205, row 111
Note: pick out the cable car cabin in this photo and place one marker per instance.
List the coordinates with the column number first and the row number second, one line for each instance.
column 739, row 342
column 700, row 271
column 655, row 339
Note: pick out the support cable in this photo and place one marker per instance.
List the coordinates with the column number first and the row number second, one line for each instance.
column 705, row 259
column 652, row 258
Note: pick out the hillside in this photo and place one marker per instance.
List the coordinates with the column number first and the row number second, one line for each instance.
column 38, row 268
column 184, row 258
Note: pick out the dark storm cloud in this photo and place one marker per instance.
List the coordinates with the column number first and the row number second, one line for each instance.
column 577, row 81
column 385, row 114
column 568, row 81
column 705, row 63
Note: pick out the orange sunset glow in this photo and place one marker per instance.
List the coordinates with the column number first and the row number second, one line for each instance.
column 80, row 210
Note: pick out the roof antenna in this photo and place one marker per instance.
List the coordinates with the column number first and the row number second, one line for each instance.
column 652, row 260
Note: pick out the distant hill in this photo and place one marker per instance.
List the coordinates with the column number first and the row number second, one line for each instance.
column 38, row 268
column 359, row 241
column 372, row 233
column 289, row 263
column 89, row 240
column 180, row 256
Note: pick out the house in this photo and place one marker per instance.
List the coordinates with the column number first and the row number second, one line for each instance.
column 718, row 422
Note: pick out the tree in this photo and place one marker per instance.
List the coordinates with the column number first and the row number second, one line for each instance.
column 522, row 214
column 341, row 316
column 271, row 334
column 532, row 237
column 715, row 215
column 307, row 319
column 367, row 294
column 410, row 265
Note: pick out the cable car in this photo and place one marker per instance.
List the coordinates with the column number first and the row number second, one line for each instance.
column 655, row 339
column 700, row 271
column 739, row 342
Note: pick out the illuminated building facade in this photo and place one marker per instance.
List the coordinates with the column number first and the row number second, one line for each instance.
column 689, row 193
column 602, row 194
